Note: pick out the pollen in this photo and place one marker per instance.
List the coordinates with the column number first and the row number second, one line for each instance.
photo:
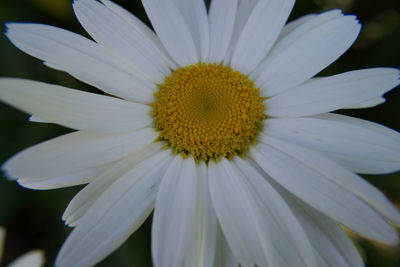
column 208, row 111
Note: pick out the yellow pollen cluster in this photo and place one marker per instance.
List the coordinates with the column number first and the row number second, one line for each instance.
column 208, row 111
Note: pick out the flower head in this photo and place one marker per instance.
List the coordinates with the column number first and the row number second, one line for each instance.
column 214, row 121
column 208, row 111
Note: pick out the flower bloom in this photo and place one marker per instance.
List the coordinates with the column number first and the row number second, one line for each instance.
column 214, row 121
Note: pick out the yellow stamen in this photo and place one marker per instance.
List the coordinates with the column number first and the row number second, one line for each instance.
column 208, row 111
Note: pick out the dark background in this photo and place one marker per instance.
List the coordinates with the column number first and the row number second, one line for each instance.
column 33, row 218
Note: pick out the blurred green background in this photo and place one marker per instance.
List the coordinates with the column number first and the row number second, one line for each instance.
column 33, row 218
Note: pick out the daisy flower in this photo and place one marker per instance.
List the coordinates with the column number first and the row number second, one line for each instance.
column 214, row 121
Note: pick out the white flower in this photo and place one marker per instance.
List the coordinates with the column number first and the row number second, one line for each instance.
column 282, row 205
column 33, row 258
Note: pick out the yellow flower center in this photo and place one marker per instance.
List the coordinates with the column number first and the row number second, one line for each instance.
column 208, row 111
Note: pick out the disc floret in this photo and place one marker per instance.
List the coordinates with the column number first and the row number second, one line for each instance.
column 208, row 111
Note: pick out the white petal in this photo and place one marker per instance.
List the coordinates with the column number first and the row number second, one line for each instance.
column 239, row 215
column 223, row 254
column 292, row 25
column 143, row 29
column 76, row 178
column 258, row 225
column 115, row 215
column 159, row 234
column 306, row 51
column 129, row 43
column 301, row 26
column 331, row 93
column 326, row 236
column 221, row 20
column 288, row 227
column 90, row 193
column 195, row 14
column 72, row 108
column 82, row 58
column 303, row 173
column 174, row 216
column 173, row 31
column 359, row 145
column 75, row 152
column 53, row 65
column 34, row 258
column 242, row 15
column 34, row 118
column 203, row 243
column 260, row 32
column 368, row 104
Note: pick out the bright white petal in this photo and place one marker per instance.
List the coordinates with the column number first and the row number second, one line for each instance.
column 258, row 225
column 223, row 254
column 173, row 31
column 82, row 58
column 74, row 109
column 242, row 15
column 327, row 237
column 221, row 20
column 301, row 26
column 127, row 42
column 143, row 29
column 359, row 145
column 72, row 179
column 203, row 242
column 174, row 216
column 331, row 93
column 239, row 215
column 292, row 25
column 159, row 234
column 260, row 32
column 53, row 65
column 305, row 51
column 34, row 118
column 75, row 152
column 352, row 183
column 90, row 193
column 115, row 215
column 34, row 258
column 297, row 243
column 195, row 14
column 368, row 104
column 287, row 163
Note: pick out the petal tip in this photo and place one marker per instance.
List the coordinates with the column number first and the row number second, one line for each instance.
column 68, row 221
column 394, row 219
column 27, row 184
column 6, row 172
column 394, row 241
column 353, row 19
column 9, row 26
column 6, row 28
